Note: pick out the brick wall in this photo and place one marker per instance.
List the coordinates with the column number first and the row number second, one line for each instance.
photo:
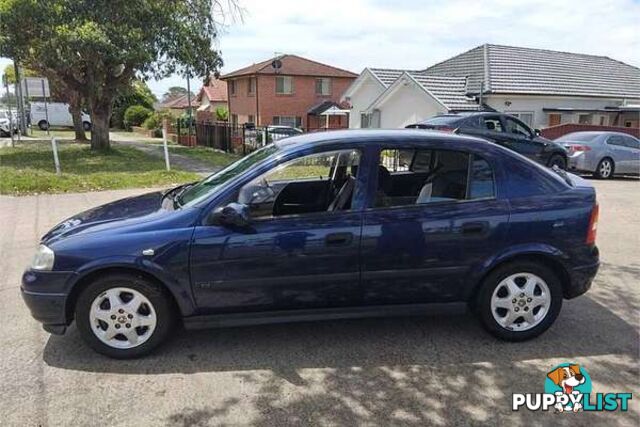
column 554, row 132
column 271, row 104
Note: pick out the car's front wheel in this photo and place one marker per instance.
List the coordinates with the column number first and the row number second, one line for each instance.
column 520, row 300
column 559, row 161
column 124, row 316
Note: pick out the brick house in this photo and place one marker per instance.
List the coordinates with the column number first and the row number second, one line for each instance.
column 210, row 98
column 287, row 90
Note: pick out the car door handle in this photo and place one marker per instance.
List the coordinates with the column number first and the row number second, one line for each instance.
column 474, row 227
column 338, row 239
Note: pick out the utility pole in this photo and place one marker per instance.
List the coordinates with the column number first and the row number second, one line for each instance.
column 21, row 112
column 189, row 107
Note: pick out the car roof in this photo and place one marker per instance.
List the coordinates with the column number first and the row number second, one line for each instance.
column 598, row 133
column 387, row 136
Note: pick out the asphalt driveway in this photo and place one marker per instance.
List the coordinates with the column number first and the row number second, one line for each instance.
column 411, row 371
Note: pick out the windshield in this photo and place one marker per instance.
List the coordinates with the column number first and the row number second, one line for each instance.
column 579, row 137
column 203, row 188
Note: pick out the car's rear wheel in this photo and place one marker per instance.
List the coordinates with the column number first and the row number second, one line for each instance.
column 605, row 169
column 124, row 316
column 43, row 125
column 86, row 126
column 559, row 161
column 520, row 300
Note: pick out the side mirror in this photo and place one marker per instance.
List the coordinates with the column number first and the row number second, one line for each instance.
column 537, row 132
column 232, row 215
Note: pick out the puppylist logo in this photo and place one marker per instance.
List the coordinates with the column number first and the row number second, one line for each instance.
column 567, row 388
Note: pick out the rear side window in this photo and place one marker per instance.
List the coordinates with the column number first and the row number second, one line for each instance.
column 526, row 180
column 616, row 140
column 434, row 176
column 482, row 184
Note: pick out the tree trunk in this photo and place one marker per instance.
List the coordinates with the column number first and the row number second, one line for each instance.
column 100, row 117
column 76, row 115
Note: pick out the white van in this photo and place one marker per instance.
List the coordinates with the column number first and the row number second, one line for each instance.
column 58, row 113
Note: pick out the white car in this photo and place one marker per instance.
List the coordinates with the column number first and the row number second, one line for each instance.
column 5, row 124
column 58, row 115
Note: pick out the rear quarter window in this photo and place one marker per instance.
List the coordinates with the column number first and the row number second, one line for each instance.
column 524, row 179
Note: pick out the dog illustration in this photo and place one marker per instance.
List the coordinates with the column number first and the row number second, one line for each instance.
column 567, row 378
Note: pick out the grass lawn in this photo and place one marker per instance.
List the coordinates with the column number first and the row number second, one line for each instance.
column 29, row 169
column 211, row 156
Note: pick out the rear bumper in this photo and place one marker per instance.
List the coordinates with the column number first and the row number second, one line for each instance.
column 45, row 296
column 581, row 277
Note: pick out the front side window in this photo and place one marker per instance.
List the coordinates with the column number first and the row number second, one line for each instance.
column 284, row 85
column 526, row 118
column 323, row 86
column 631, row 142
column 516, row 128
column 322, row 182
column 430, row 176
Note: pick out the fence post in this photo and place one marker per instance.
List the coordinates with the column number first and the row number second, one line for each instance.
column 244, row 141
column 178, row 130
column 56, row 160
column 165, row 132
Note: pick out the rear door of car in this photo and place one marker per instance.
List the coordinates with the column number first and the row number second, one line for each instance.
column 423, row 252
column 622, row 155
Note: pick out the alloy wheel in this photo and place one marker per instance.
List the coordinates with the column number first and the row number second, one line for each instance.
column 605, row 168
column 122, row 318
column 520, row 302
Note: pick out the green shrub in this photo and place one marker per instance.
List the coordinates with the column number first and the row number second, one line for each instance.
column 135, row 115
column 222, row 114
column 154, row 121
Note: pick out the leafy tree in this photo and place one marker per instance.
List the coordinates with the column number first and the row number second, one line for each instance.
column 135, row 115
column 97, row 47
column 222, row 114
column 137, row 93
column 173, row 92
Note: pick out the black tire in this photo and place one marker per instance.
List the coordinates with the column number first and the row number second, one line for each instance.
column 483, row 303
column 162, row 304
column 86, row 126
column 43, row 125
column 559, row 161
column 601, row 170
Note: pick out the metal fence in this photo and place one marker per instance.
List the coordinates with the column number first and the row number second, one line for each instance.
column 234, row 138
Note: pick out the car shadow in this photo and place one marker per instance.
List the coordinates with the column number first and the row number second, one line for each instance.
column 584, row 328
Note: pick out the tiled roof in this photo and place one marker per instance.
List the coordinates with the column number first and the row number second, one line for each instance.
column 450, row 91
column 180, row 102
column 292, row 65
column 216, row 91
column 507, row 69
column 386, row 75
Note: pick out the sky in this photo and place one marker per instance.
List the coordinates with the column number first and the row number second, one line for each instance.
column 413, row 34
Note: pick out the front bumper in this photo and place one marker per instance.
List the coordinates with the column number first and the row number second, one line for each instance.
column 45, row 294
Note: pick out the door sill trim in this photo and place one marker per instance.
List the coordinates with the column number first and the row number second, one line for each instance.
column 309, row 315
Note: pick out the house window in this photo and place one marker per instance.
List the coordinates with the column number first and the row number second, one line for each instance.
column 251, row 87
column 526, row 117
column 323, row 86
column 251, row 119
column 292, row 121
column 232, row 87
column 284, row 85
column 585, row 119
column 364, row 120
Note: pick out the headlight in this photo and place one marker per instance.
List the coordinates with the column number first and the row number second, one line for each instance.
column 43, row 259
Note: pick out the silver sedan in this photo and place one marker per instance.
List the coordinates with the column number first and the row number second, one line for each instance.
column 602, row 153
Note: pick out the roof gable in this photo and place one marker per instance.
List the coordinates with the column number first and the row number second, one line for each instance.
column 216, row 91
column 292, row 65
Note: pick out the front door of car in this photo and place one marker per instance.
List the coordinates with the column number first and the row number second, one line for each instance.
column 620, row 153
column 521, row 139
column 296, row 258
column 419, row 248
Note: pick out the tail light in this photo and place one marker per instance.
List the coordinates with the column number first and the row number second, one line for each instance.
column 578, row 148
column 593, row 225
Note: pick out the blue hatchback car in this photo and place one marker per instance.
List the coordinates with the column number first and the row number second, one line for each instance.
column 324, row 226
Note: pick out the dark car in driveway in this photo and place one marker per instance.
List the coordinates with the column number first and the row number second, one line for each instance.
column 325, row 226
column 502, row 129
